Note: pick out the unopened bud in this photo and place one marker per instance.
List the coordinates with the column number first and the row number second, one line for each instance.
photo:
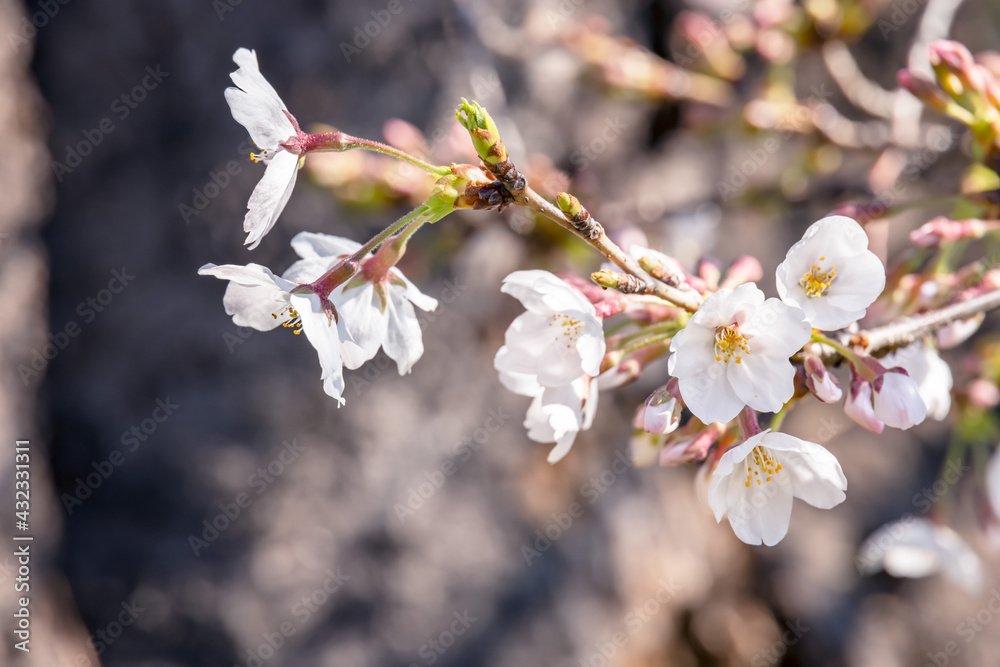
column 483, row 131
column 821, row 382
column 569, row 204
column 745, row 269
column 619, row 281
column 662, row 414
column 709, row 271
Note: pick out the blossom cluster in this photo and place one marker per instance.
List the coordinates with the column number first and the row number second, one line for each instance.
column 731, row 353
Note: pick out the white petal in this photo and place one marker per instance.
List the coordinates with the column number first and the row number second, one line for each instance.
column 761, row 381
column 777, row 329
column 759, row 514
column 254, row 297
column 404, row 342
column 728, row 306
column 692, row 351
column 325, row 337
column 533, row 348
column 525, row 384
column 898, row 404
column 858, row 407
column 816, row 475
column 710, row 396
column 361, row 312
column 415, row 296
column 256, row 105
column 310, row 244
column 270, row 196
column 543, row 292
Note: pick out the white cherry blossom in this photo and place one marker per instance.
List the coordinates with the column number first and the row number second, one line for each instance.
column 377, row 306
column 258, row 299
column 931, row 373
column 755, row 482
column 557, row 414
column 552, row 353
column 734, row 351
column 918, row 547
column 257, row 107
column 831, row 274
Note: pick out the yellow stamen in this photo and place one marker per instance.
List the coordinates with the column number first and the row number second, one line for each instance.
column 729, row 342
column 765, row 461
column 816, row 282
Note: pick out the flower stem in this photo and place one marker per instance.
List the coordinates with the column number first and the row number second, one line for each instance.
column 779, row 416
column 841, row 349
column 644, row 342
column 690, row 300
column 346, row 268
column 340, row 141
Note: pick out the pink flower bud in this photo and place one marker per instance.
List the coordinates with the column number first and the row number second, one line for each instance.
column 821, row 382
column 858, row 405
column 662, row 414
column 983, row 393
column 744, row 269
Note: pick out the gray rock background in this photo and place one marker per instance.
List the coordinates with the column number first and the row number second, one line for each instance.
column 644, row 572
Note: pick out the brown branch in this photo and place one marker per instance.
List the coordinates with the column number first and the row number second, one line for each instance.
column 594, row 235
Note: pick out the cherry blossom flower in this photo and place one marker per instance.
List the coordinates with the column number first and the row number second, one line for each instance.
column 375, row 309
column 831, row 274
column 755, row 482
column 918, row 547
column 557, row 414
column 821, row 381
column 931, row 373
column 257, row 107
column 552, row 354
column 734, row 351
column 377, row 304
column 258, row 299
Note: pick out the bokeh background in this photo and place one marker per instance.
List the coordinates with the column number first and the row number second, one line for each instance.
column 324, row 567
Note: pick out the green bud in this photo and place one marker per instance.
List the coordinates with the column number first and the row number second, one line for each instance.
column 484, row 132
column 569, row 204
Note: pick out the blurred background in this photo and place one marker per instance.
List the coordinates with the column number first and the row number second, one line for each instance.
column 198, row 500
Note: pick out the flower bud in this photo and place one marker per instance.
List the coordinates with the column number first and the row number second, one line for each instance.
column 484, row 132
column 821, row 381
column 663, row 412
column 744, row 269
column 858, row 405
